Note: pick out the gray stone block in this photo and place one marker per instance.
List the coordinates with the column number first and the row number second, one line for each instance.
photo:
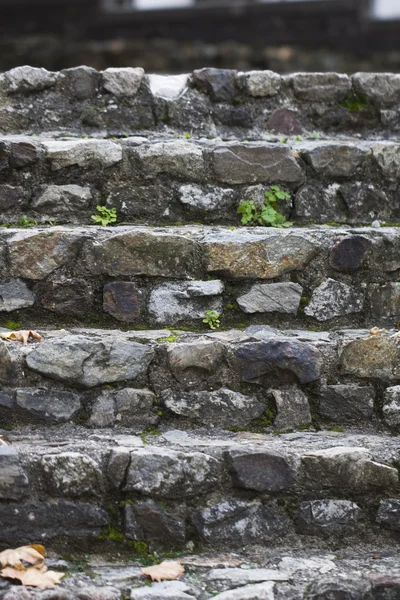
column 260, row 84
column 292, row 407
column 122, row 82
column 181, row 159
column 380, row 88
column 149, row 522
column 173, row 302
column 14, row 484
column 272, row 297
column 14, row 295
column 327, row 517
column 29, row 79
column 260, row 470
column 346, row 403
column 82, row 153
column 122, row 300
column 320, row 87
column 334, row 299
column 70, row 474
column 391, row 406
column 54, row 406
column 62, row 201
column 220, row 84
column 389, row 513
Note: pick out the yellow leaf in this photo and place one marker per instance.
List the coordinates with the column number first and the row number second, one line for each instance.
column 22, row 336
column 167, row 570
column 33, row 576
column 15, row 558
column 39, row 548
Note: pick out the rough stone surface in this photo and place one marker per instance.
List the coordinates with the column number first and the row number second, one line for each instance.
column 45, row 521
column 332, row 588
column 24, row 153
column 257, row 591
column 202, row 357
column 149, row 522
column 14, row 484
column 220, row 84
column 70, row 474
column 208, row 199
column 385, row 299
column 334, row 299
column 346, row 403
column 168, row 590
column 260, row 470
column 341, row 467
column 83, row 153
column 54, row 406
column 135, row 408
column 320, row 87
column 256, row 163
column 297, row 360
column 171, row 474
column 221, row 408
column 103, row 411
column 122, row 82
column 29, row 79
column 335, row 160
column 389, row 513
column 391, row 406
column 172, row 302
column 272, row 297
column 82, row 81
column 284, row 120
column 180, row 158
column 66, row 296
column 84, row 361
column 371, row 357
column 11, row 197
column 327, row 517
column 122, row 300
column 382, row 88
column 14, row 294
column 240, row 523
column 293, row 408
column 260, row 84
column 62, row 202
column 168, row 87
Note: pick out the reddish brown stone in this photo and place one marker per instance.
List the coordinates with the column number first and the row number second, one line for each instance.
column 23, row 154
column 66, row 296
column 285, row 121
column 122, row 300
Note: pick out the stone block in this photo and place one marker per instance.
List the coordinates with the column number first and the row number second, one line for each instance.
column 103, row 411
column 260, row 470
column 168, row 87
column 385, row 300
column 165, row 590
column 221, row 408
column 14, row 483
column 174, row 302
column 327, row 517
column 83, row 153
column 29, row 79
column 349, row 253
column 389, row 513
column 387, row 157
column 24, row 153
column 320, row 87
column 14, row 295
column 147, row 521
column 346, row 403
column 371, row 357
column 135, row 408
column 66, row 296
column 203, row 358
column 62, row 202
column 391, row 406
column 165, row 473
column 334, row 299
column 319, row 203
column 54, row 406
column 286, row 121
column 272, row 297
column 70, row 474
column 335, row 160
column 379, row 88
column 205, row 199
column 260, row 84
column 122, row 82
column 122, row 300
column 82, row 82
column 293, row 409
column 219, row 84
column 180, row 159
column 256, row 163
column 11, row 198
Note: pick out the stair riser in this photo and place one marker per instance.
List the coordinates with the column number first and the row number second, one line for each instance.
column 226, row 494
column 239, row 105
column 184, row 181
column 304, row 278
column 257, row 381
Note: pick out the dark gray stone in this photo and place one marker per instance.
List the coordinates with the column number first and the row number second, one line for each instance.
column 70, row 474
column 391, row 406
column 260, row 470
column 7, row 400
column 286, row 121
column 292, row 407
column 135, row 409
column 24, row 154
column 337, row 589
column 86, row 361
column 14, row 295
column 380, row 88
column 149, row 522
column 82, row 82
column 173, row 302
column 256, row 163
column 32, row 522
column 11, row 197
column 221, row 408
column 320, row 87
column 219, row 84
column 364, row 203
column 53, row 405
column 66, row 296
column 62, row 202
column 103, row 411
column 168, row 473
column 319, row 203
column 334, row 299
column 335, row 160
column 4, row 156
column 346, row 403
column 389, row 513
column 385, row 300
column 385, row 586
column 327, row 517
column 122, row 300
column 9, row 368
column 272, row 297
column 240, row 523
column 14, row 484
column 343, row 468
column 289, row 359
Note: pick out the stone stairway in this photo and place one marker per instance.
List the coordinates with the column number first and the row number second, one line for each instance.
column 265, row 451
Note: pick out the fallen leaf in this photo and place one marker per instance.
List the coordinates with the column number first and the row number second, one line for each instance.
column 22, row 335
column 15, row 558
column 167, row 570
column 33, row 576
column 375, row 331
column 4, row 440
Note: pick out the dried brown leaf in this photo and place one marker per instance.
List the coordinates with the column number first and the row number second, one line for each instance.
column 33, row 576
column 22, row 336
column 15, row 558
column 167, row 570
column 4, row 440
column 375, row 331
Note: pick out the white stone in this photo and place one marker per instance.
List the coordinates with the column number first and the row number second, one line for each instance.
column 82, row 153
column 208, row 199
column 169, row 87
column 123, row 82
column 258, row 591
column 334, row 299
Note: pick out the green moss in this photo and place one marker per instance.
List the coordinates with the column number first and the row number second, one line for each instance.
column 304, row 300
column 240, row 325
column 231, row 306
column 333, row 224
column 124, row 503
column 112, row 534
column 166, row 119
column 337, row 429
column 91, row 116
column 303, row 427
column 170, row 339
column 13, row 325
column 93, row 317
column 354, row 102
column 265, row 420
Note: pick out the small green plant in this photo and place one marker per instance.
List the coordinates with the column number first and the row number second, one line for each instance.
column 187, row 135
column 25, row 221
column 106, row 216
column 315, row 135
column 211, row 318
column 13, row 325
column 267, row 215
column 171, row 339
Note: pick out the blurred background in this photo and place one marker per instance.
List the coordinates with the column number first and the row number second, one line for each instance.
column 170, row 36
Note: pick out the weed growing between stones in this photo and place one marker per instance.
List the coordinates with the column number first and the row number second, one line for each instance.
column 107, row 216
column 267, row 215
column 211, row 318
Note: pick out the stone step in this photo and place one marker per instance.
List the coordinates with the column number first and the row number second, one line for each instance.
column 361, row 572
column 159, row 180
column 150, row 277
column 222, row 490
column 208, row 102
column 258, row 379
